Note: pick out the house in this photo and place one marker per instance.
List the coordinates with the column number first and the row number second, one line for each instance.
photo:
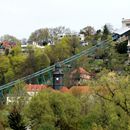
column 6, row 45
column 33, row 89
column 81, row 37
column 123, row 34
column 80, row 74
column 1, row 48
column 125, row 23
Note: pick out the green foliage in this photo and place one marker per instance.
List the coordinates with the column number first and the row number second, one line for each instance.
column 39, row 35
column 97, row 36
column 106, row 32
column 63, row 49
column 15, row 120
column 121, row 47
column 73, row 44
column 42, row 59
column 16, row 64
column 3, row 118
column 55, row 109
column 4, row 68
column 11, row 114
column 10, row 39
column 109, row 106
column 87, row 31
column 19, row 98
column 16, row 50
column 9, row 75
column 35, row 61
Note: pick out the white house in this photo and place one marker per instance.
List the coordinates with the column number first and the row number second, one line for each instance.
column 123, row 34
column 125, row 23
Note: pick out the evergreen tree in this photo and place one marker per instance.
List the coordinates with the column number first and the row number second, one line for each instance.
column 15, row 120
column 106, row 32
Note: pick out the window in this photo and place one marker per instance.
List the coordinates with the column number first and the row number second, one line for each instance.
column 128, row 24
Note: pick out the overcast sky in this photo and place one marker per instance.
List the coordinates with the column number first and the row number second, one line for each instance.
column 21, row 17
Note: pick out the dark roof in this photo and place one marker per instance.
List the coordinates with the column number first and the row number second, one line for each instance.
column 123, row 31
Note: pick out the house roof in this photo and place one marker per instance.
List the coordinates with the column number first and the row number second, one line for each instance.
column 126, row 20
column 123, row 31
column 64, row 89
column 35, row 87
column 7, row 44
column 80, row 70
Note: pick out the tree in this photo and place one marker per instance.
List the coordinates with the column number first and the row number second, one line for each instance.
column 60, row 51
column 4, row 67
column 16, row 63
column 87, row 31
column 52, row 53
column 97, row 35
column 56, row 109
column 74, row 44
column 16, row 50
column 108, row 106
column 19, row 98
column 114, row 97
column 110, row 27
column 106, row 32
column 10, row 38
column 35, row 61
column 3, row 117
column 15, row 120
column 59, row 30
column 121, row 47
column 42, row 59
column 40, row 35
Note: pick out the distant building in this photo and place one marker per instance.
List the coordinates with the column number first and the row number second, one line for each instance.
column 33, row 89
column 40, row 44
column 24, row 48
column 6, row 46
column 80, row 74
column 80, row 36
column 60, row 36
column 123, row 34
column 125, row 23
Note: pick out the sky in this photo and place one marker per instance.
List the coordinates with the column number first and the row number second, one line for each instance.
column 22, row 17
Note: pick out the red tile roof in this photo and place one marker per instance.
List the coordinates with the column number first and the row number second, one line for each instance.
column 82, row 73
column 35, row 87
column 80, row 70
column 64, row 89
column 7, row 44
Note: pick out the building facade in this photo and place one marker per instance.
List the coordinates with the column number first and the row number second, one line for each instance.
column 125, row 23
